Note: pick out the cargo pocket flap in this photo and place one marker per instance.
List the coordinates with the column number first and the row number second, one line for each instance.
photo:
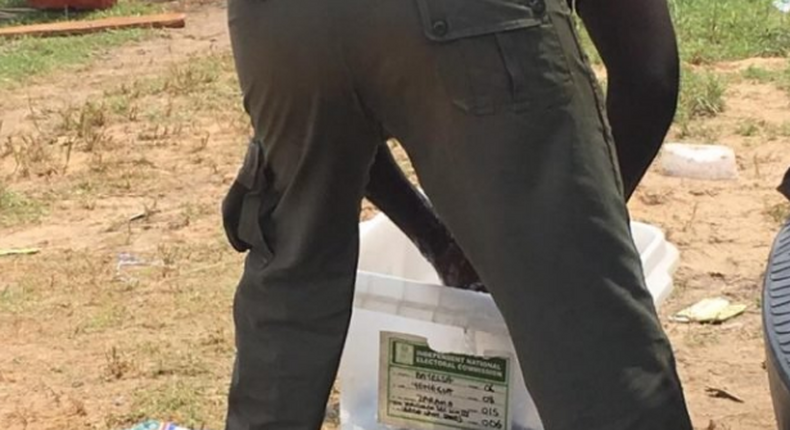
column 446, row 20
column 249, row 223
column 252, row 176
column 252, row 164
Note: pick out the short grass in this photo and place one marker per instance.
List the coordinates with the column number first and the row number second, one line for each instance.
column 702, row 95
column 780, row 77
column 16, row 208
column 759, row 74
column 147, row 357
column 750, row 127
column 160, row 368
column 155, row 111
column 721, row 30
column 180, row 400
column 15, row 296
column 779, row 213
column 729, row 29
column 27, row 57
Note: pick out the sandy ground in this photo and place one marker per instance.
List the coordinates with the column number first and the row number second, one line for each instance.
column 85, row 344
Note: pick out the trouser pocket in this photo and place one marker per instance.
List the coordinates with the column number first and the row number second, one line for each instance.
column 248, row 203
column 497, row 55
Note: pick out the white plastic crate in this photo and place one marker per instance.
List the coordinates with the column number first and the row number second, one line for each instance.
column 398, row 291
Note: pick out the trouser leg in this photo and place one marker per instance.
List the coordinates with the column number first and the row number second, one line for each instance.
column 499, row 114
column 499, row 117
column 293, row 303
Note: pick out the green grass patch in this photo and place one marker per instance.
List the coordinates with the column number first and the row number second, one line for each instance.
column 178, row 363
column 14, row 297
column 779, row 77
column 210, row 75
column 181, row 401
column 720, row 30
column 166, row 103
column 16, row 208
column 778, row 213
column 759, row 74
column 729, row 29
column 717, row 30
column 698, row 132
column 701, row 95
column 25, row 58
column 749, row 127
column 106, row 317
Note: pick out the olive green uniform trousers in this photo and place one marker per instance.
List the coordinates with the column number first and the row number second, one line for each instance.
column 500, row 113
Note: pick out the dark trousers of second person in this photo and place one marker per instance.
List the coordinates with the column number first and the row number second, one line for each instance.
column 500, row 113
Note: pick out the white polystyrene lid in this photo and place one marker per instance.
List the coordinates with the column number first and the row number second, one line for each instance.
column 698, row 161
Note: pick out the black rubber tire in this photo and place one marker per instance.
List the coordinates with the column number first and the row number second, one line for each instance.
column 776, row 325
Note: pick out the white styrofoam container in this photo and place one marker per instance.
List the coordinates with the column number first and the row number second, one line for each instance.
column 714, row 162
column 398, row 291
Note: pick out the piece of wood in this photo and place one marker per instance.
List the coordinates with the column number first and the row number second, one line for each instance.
column 68, row 28
column 14, row 12
column 719, row 393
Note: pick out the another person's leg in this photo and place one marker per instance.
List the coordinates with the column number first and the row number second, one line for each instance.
column 390, row 190
column 306, row 171
column 636, row 41
column 499, row 113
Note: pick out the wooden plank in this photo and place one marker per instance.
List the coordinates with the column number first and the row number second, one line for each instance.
column 15, row 12
column 67, row 28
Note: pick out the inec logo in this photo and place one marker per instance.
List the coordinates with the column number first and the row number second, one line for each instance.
column 404, row 354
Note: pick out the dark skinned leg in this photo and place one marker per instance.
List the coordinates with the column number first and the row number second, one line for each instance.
column 637, row 44
column 394, row 195
column 784, row 186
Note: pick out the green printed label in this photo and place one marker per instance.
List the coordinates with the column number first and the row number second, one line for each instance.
column 424, row 389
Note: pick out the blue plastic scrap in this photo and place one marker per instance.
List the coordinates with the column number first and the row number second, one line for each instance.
column 157, row 425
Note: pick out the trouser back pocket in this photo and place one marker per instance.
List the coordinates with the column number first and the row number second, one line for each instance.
column 496, row 55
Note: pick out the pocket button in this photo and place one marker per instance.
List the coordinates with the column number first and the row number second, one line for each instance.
column 439, row 27
column 537, row 6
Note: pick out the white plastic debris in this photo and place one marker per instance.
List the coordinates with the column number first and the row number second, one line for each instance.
column 157, row 425
column 782, row 5
column 715, row 162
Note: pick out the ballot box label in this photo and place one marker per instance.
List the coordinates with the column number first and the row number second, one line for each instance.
column 423, row 389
